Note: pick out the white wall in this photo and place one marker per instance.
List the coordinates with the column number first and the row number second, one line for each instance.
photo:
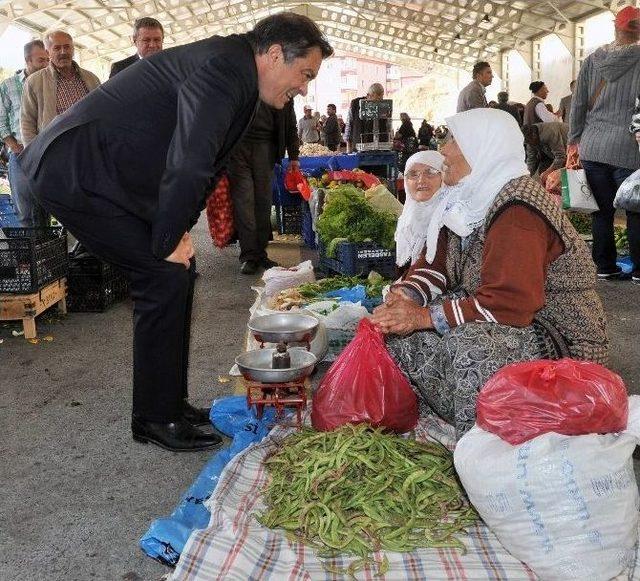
column 598, row 30
column 556, row 65
column 519, row 77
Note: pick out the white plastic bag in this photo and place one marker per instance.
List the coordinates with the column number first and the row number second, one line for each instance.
column 576, row 193
column 567, row 506
column 628, row 195
column 280, row 278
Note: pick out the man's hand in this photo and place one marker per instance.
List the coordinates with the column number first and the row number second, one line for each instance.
column 294, row 164
column 183, row 252
column 573, row 156
column 401, row 317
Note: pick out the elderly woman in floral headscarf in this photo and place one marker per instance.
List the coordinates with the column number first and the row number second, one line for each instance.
column 503, row 276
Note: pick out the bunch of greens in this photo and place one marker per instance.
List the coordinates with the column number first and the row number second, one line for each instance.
column 358, row 490
column 317, row 290
column 348, row 217
column 581, row 222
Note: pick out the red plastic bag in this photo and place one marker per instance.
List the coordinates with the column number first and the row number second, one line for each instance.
column 525, row 400
column 365, row 385
column 295, row 182
column 347, row 175
column 220, row 213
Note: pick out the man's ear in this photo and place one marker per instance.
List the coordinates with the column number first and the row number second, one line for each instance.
column 275, row 54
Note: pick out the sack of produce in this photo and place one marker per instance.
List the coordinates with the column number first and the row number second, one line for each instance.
column 567, row 506
column 524, row 400
column 280, row 278
column 365, row 385
column 576, row 193
column 220, row 214
column 628, row 196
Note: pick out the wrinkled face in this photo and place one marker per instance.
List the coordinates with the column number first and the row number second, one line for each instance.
column 280, row 82
column 485, row 76
column 423, row 181
column 455, row 164
column 148, row 41
column 38, row 59
column 61, row 50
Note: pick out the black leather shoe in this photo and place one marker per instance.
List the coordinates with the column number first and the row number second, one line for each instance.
column 193, row 415
column 249, row 267
column 178, row 436
column 268, row 263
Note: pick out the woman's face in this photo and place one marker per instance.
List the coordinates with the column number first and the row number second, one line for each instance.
column 455, row 164
column 423, row 182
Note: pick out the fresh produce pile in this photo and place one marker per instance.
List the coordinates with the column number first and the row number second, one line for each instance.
column 358, row 490
column 582, row 224
column 348, row 217
column 311, row 292
column 314, row 150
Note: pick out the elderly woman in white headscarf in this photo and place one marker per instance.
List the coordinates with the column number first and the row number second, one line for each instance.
column 422, row 181
column 503, row 276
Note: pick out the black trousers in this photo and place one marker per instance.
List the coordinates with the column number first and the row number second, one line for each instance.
column 605, row 180
column 162, row 291
column 250, row 175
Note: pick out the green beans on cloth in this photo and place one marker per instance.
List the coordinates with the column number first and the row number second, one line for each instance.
column 357, row 490
column 235, row 547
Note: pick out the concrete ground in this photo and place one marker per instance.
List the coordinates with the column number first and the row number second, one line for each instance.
column 77, row 492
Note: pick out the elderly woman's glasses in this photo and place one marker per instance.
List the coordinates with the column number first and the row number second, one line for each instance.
column 416, row 175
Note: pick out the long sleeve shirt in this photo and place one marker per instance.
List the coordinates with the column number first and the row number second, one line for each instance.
column 10, row 103
column 473, row 96
column 518, row 249
column 544, row 113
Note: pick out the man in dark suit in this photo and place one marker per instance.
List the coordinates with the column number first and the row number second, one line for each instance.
column 250, row 174
column 148, row 36
column 127, row 171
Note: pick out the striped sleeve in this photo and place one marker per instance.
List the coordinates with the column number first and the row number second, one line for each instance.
column 425, row 281
column 519, row 247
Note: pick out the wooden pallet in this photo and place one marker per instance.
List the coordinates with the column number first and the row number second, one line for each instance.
column 28, row 306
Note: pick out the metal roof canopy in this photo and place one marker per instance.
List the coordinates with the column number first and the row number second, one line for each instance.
column 417, row 34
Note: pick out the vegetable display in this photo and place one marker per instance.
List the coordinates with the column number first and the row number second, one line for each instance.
column 347, row 216
column 358, row 490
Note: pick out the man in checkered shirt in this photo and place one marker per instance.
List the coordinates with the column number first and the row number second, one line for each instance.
column 55, row 88
column 36, row 58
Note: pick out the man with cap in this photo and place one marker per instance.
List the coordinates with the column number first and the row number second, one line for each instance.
column 604, row 96
column 308, row 127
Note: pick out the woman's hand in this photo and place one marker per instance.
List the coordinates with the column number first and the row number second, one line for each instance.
column 183, row 252
column 401, row 316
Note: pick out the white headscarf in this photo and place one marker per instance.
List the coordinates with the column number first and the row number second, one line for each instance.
column 411, row 232
column 492, row 144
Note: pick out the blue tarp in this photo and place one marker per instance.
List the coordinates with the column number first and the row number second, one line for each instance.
column 166, row 537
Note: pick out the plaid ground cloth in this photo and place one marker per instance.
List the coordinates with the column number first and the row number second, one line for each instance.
column 236, row 547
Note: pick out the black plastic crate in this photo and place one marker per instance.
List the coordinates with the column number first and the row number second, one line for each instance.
column 94, row 285
column 289, row 219
column 359, row 259
column 31, row 258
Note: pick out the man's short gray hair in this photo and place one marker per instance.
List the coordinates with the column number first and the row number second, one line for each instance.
column 376, row 90
column 28, row 48
column 146, row 22
column 48, row 35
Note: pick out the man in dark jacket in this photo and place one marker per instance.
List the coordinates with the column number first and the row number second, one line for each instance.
column 361, row 130
column 148, row 36
column 128, row 168
column 250, row 174
column 332, row 131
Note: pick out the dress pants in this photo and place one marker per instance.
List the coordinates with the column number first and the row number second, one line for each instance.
column 162, row 291
column 250, row 176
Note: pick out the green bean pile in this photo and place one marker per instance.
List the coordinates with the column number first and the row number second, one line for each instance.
column 358, row 490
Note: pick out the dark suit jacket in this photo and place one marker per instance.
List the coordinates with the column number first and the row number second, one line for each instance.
column 119, row 66
column 287, row 133
column 151, row 140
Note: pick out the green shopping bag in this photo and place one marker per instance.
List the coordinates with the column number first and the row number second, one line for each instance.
column 576, row 193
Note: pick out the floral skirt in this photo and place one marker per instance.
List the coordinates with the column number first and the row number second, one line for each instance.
column 447, row 371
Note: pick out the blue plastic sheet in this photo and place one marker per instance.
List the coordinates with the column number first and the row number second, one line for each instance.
column 166, row 537
column 355, row 294
column 625, row 263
